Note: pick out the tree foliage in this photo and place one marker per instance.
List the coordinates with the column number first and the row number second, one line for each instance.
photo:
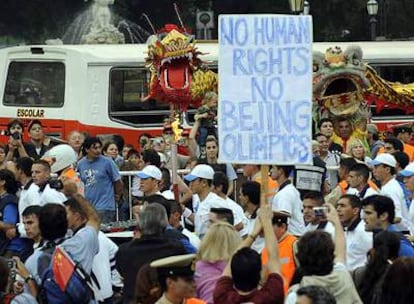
column 334, row 20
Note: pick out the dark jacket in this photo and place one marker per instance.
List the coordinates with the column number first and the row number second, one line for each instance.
column 133, row 255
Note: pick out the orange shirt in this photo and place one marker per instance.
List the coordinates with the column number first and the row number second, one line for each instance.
column 408, row 149
column 344, row 185
column 286, row 257
column 272, row 186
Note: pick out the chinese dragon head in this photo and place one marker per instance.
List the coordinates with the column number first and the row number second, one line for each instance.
column 178, row 75
column 343, row 85
column 339, row 84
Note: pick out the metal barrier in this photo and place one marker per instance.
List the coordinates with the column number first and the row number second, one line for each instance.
column 130, row 175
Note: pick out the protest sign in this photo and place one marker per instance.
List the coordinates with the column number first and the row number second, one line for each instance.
column 265, row 89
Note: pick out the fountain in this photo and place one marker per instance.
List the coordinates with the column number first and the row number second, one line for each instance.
column 95, row 25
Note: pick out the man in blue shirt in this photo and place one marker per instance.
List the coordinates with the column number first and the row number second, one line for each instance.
column 103, row 186
column 379, row 214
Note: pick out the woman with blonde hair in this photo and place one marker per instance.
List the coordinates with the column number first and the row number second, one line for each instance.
column 216, row 249
column 356, row 150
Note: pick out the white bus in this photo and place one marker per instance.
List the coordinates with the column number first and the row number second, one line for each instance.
column 98, row 88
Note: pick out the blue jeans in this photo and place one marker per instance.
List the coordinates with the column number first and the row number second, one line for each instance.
column 106, row 216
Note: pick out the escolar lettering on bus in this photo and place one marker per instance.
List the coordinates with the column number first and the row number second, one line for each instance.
column 35, row 113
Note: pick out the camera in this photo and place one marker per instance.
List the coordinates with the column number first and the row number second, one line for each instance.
column 55, row 183
column 14, row 135
column 320, row 211
column 12, row 265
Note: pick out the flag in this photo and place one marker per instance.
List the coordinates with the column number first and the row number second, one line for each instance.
column 62, row 267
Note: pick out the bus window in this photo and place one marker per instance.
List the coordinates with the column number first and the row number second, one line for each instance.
column 35, row 84
column 403, row 73
column 386, row 112
column 128, row 87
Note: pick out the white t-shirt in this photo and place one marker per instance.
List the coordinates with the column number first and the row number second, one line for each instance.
column 259, row 243
column 103, row 261
column 202, row 211
column 358, row 243
column 238, row 215
column 28, row 197
column 393, row 190
column 370, row 191
column 328, row 228
column 49, row 195
column 288, row 200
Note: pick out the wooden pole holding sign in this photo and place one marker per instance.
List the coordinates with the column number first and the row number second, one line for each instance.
column 264, row 185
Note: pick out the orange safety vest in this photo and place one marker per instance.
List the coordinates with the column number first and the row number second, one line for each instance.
column 272, row 186
column 344, row 185
column 286, row 257
column 408, row 149
column 194, row 301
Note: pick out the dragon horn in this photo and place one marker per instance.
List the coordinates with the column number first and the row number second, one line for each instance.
column 149, row 22
column 179, row 17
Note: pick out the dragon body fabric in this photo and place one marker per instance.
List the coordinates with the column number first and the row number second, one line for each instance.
column 345, row 86
column 178, row 76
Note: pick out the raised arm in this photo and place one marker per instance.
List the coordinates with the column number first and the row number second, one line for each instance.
column 93, row 218
column 266, row 216
column 340, row 245
column 247, row 242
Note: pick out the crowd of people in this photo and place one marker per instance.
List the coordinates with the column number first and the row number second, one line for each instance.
column 337, row 231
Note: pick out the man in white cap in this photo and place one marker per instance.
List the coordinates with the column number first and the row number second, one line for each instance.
column 150, row 178
column 176, row 277
column 201, row 178
column 384, row 171
column 408, row 174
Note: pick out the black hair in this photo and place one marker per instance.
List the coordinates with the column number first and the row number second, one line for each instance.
column 151, row 157
column 286, row 169
column 220, row 179
column 251, row 189
column 224, row 214
column 4, row 274
column 397, row 287
column 316, row 253
column 32, row 210
column 317, row 294
column 53, row 223
column 354, row 200
column 381, row 204
column 386, row 247
column 34, row 122
column 132, row 152
column 89, row 142
column 166, row 176
column 401, row 158
column 323, row 120
column 45, row 164
column 395, row 142
column 10, row 184
column 347, row 163
column 319, row 134
column 175, row 207
column 74, row 206
column 14, row 122
column 361, row 169
column 25, row 164
column 246, row 267
column 157, row 198
column 316, row 196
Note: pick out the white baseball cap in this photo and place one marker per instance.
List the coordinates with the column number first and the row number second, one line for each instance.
column 200, row 171
column 384, row 159
column 408, row 171
column 150, row 171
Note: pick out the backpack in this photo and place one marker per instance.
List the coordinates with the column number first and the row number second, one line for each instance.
column 78, row 285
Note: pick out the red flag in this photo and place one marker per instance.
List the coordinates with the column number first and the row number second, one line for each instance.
column 63, row 267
